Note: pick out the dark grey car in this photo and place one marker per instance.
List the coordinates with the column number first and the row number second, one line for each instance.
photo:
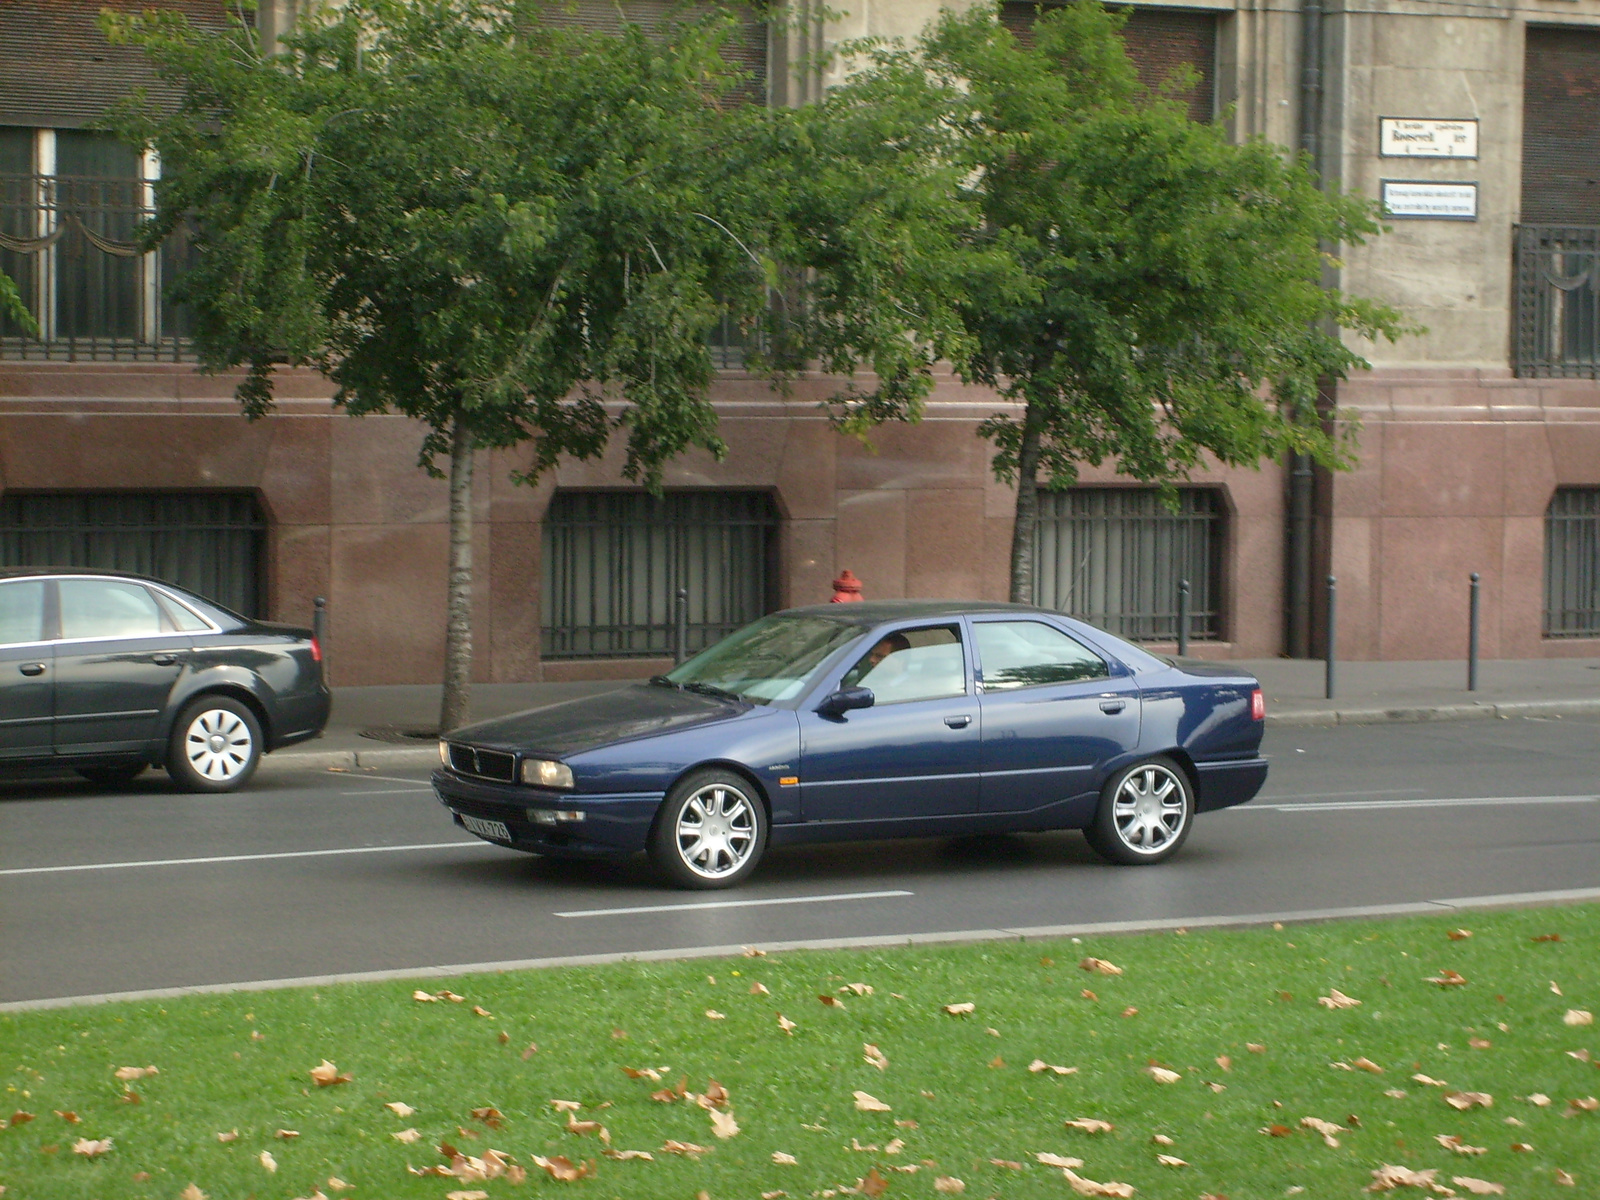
column 108, row 674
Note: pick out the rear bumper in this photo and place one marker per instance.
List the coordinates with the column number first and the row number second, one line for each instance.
column 613, row 826
column 1224, row 784
column 300, row 718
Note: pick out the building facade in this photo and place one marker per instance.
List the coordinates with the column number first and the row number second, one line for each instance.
column 1477, row 124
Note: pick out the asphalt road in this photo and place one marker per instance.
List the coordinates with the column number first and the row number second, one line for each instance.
column 309, row 874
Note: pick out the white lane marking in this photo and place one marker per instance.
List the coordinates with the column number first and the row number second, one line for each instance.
column 387, row 791
column 1336, row 795
column 354, row 776
column 230, row 858
column 1397, row 805
column 657, row 908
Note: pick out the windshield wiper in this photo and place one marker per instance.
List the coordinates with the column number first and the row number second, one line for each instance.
column 711, row 689
column 663, row 681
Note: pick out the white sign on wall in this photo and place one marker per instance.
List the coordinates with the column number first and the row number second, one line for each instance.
column 1424, row 200
column 1425, row 137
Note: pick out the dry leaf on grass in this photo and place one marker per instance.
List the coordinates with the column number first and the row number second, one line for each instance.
column 1586, row 1104
column 1478, row 1187
column 192, row 1192
column 1458, row 935
column 752, row 952
column 713, row 1015
column 1161, row 1139
column 1389, row 1177
column 1448, row 978
column 566, row 1105
column 1100, row 966
column 1478, row 1043
column 1555, row 987
column 1168, row 1160
column 562, row 1168
column 91, row 1147
column 231, row 1135
column 1088, row 1187
column 759, row 989
column 128, row 1074
column 786, row 1025
column 625, row 1155
column 400, row 1108
column 1578, row 1016
column 1395, row 1093
column 1130, row 1011
column 267, row 1161
column 1453, row 1143
column 476, row 1194
column 960, row 1010
column 1255, row 1047
column 1539, row 1100
column 650, row 1073
column 479, row 1011
column 1276, row 1130
column 873, row 1056
column 406, row 1136
column 1521, row 1148
column 1327, row 1129
column 1565, row 1178
column 687, row 1149
column 1038, row 1066
column 325, row 1074
column 1162, row 1074
column 492, row 1117
column 894, row 1146
column 286, row 1135
column 722, row 1123
column 868, row 1103
column 1466, row 1100
column 1366, row 1064
column 1224, row 1062
column 860, row 989
column 67, row 1115
column 1007, row 1164
column 582, row 1128
column 872, row 1184
column 997, row 1062
column 830, row 1001
column 1337, row 999
column 784, row 1160
column 1058, row 1160
column 1090, row 1125
column 1088, row 995
column 948, row 1185
column 1419, row 1077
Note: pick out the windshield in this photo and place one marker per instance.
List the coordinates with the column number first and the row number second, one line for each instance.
column 770, row 660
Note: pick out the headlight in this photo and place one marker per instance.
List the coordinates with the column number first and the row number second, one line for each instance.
column 541, row 772
column 444, row 752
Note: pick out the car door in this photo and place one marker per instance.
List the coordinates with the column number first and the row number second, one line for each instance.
column 115, row 665
column 914, row 753
column 27, row 676
column 1053, row 711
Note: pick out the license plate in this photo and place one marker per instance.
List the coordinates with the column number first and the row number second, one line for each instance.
column 495, row 831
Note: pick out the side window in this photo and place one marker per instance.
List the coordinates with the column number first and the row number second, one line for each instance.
column 181, row 617
column 95, row 608
column 1017, row 654
column 912, row 664
column 21, row 611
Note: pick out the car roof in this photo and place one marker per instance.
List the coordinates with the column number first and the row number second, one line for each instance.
column 41, row 572
column 876, row 612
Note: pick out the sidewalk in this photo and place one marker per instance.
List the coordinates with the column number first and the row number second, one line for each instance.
column 1367, row 693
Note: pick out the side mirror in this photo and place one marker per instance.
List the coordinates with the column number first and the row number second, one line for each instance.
column 846, row 699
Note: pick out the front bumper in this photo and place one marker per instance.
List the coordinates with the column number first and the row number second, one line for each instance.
column 613, row 826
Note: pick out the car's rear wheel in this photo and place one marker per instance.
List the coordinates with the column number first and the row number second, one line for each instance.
column 1144, row 815
column 215, row 746
column 711, row 831
column 113, row 777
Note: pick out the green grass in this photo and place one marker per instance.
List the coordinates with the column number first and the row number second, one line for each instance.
column 963, row 1080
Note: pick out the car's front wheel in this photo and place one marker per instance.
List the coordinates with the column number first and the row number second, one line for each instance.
column 1144, row 815
column 215, row 746
column 711, row 831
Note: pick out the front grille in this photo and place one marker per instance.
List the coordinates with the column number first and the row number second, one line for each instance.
column 483, row 764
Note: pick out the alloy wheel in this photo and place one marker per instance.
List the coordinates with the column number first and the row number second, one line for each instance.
column 716, row 831
column 218, row 745
column 1150, row 809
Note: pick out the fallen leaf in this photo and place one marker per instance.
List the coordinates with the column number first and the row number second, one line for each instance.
column 1058, row 1160
column 400, row 1108
column 1448, row 978
column 267, row 1161
column 529, row 1051
column 1578, row 1016
column 1161, row 1139
column 860, row 989
column 1217, row 1087
column 70, row 1117
column 713, row 1015
column 687, row 1149
column 960, row 1010
column 1038, row 1066
column 873, row 1056
column 1161, row 1074
column 1327, row 1129
column 406, row 1136
column 1389, row 1177
column 1090, row 1125
column 582, row 1128
column 1521, row 1148
column 1100, row 966
column 1395, row 1093
column 894, row 1146
column 492, row 1117
column 723, row 1124
column 1276, row 1130
column 786, row 1025
column 997, row 1062
column 1168, row 1160
column 1224, row 1062
column 128, row 1074
column 286, row 1135
column 1458, row 935
column 830, row 1001
column 873, row 1184
column 335, row 1184
column 1539, row 1100
column 759, row 989
column 1337, row 999
column 91, row 1147
column 1088, row 995
column 1130, row 1011
column 1453, row 1143
column 562, row 1168
column 992, row 1032
column 1007, row 1164
column 1466, row 1100
column 626, row 1155
column 1548, row 937
column 566, row 1105
column 1555, row 987
column 784, row 1160
column 1565, row 1179
column 1255, row 1047
column 1478, row 1043
column 1088, row 1187
column 1587, row 1104
column 948, row 1185
column 1419, row 1077
column 325, row 1074
column 867, row 1103
column 1366, row 1064
column 1478, row 1187
column 477, row 1194
column 447, row 994
column 231, row 1136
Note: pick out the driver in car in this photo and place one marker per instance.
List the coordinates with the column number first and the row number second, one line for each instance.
column 892, row 644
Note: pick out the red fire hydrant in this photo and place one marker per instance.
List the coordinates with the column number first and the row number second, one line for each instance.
column 846, row 588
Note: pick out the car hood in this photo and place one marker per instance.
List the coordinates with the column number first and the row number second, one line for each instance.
column 574, row 726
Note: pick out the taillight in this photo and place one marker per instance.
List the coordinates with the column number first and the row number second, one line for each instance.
column 316, row 652
column 1258, row 706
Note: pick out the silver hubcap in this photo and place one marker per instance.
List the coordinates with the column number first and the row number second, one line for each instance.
column 716, row 831
column 218, row 744
column 1150, row 809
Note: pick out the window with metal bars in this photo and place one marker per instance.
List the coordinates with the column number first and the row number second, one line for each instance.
column 209, row 542
column 1115, row 556
column 1572, row 563
column 614, row 561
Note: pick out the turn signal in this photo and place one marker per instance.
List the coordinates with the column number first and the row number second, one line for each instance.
column 1258, row 706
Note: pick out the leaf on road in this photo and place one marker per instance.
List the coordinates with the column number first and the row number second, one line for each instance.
column 1478, row 1187
column 960, row 1010
column 1057, row 1160
column 1337, row 999
column 784, row 1160
column 1448, row 978
column 91, row 1147
column 1039, row 1066
column 1453, row 1143
column 1578, row 1016
column 1466, row 1100
column 687, row 1149
column 1090, row 1125
column 406, row 1136
column 1100, row 966
column 1088, row 1187
column 873, row 1056
column 325, row 1074
column 267, row 1161
column 129, row 1074
column 1162, row 1074
column 868, row 1103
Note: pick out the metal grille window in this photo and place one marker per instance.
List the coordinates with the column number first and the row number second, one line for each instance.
column 70, row 205
column 208, row 542
column 614, row 561
column 1557, row 302
column 1572, row 564
column 1114, row 557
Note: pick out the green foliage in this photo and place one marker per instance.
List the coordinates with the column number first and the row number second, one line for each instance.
column 1158, row 291
column 461, row 211
column 13, row 306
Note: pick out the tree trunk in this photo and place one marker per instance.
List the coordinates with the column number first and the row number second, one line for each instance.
column 1025, row 526
column 456, row 707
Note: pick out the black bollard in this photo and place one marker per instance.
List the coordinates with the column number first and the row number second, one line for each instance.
column 319, row 629
column 1472, row 636
column 1333, row 629
column 1183, row 617
column 680, row 650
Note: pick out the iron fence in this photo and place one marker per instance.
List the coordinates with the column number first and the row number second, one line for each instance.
column 1556, row 305
column 69, row 244
column 614, row 561
column 1572, row 564
column 1115, row 557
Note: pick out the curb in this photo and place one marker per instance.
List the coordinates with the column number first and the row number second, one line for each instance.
column 1477, row 711
column 348, row 760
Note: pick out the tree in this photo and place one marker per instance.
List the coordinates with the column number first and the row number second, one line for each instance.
column 13, row 306
column 519, row 233
column 1162, row 298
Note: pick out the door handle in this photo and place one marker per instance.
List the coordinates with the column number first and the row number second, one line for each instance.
column 164, row 660
column 958, row 722
column 1113, row 706
column 32, row 668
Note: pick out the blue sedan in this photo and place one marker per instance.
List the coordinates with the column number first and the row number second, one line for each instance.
column 869, row 720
